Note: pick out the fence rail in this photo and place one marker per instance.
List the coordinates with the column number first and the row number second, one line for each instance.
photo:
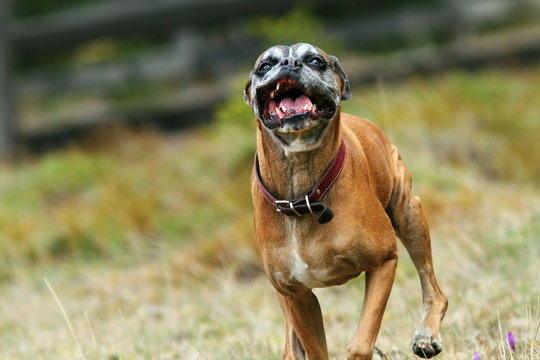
column 119, row 18
column 206, row 29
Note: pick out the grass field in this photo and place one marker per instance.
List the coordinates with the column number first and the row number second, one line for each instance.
column 140, row 245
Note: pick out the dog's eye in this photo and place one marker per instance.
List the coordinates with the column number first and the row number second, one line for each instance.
column 316, row 61
column 265, row 67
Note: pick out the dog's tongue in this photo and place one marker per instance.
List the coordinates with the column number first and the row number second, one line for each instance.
column 302, row 102
column 288, row 106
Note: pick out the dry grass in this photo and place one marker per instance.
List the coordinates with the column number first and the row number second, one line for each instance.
column 148, row 263
column 174, row 308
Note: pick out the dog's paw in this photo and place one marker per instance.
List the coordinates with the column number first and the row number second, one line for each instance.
column 425, row 345
column 377, row 355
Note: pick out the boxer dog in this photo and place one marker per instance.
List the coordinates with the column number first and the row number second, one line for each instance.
column 330, row 194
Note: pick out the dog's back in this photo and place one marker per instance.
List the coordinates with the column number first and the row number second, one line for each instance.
column 379, row 153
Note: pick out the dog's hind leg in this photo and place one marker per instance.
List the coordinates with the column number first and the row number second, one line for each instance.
column 410, row 225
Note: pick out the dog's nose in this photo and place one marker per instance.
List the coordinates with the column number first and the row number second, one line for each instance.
column 292, row 63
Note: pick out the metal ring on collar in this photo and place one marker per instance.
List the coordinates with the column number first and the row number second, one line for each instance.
column 308, row 204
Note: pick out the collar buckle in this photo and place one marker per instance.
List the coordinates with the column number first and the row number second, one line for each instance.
column 310, row 202
column 278, row 204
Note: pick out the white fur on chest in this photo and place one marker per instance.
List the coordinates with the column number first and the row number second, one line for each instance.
column 300, row 271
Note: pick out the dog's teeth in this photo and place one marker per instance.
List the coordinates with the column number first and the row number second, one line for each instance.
column 277, row 86
column 314, row 107
column 272, row 94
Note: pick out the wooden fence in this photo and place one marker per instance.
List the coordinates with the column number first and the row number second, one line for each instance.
column 233, row 47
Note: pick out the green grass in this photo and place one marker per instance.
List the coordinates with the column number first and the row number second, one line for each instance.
column 147, row 239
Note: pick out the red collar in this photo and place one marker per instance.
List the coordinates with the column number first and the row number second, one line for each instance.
column 308, row 203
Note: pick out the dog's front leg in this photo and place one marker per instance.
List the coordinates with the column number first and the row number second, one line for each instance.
column 304, row 326
column 412, row 228
column 378, row 286
column 294, row 350
column 413, row 231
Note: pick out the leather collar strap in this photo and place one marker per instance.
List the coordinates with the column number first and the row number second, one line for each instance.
column 310, row 202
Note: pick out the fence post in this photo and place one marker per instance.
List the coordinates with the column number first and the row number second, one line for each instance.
column 7, row 115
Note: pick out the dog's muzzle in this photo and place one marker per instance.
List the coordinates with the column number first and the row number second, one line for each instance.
column 289, row 100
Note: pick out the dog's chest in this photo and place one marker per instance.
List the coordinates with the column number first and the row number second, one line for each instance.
column 300, row 271
column 309, row 258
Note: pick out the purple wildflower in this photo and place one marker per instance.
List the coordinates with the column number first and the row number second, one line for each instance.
column 511, row 340
column 476, row 356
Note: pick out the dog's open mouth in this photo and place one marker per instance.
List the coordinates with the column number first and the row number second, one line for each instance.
column 286, row 102
column 286, row 99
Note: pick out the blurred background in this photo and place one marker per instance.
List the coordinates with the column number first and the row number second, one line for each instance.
column 126, row 152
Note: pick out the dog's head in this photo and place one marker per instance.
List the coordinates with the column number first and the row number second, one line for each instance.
column 295, row 92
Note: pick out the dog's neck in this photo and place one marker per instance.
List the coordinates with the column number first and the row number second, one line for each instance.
column 288, row 174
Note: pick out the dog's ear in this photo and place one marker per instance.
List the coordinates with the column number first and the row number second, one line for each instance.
column 342, row 78
column 247, row 91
